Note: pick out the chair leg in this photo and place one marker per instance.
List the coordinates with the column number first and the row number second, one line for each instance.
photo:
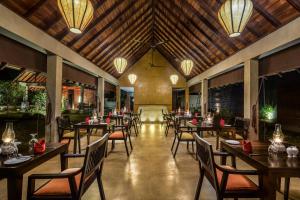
column 187, row 145
column 193, row 147
column 173, row 143
column 125, row 142
column 129, row 138
column 112, row 144
column 79, row 145
column 176, row 148
column 100, row 187
column 199, row 185
column 217, row 141
column 286, row 188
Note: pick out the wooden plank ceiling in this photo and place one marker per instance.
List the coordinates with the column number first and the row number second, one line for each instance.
column 190, row 26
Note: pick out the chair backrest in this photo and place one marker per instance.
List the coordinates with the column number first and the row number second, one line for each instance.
column 206, row 160
column 62, row 123
column 93, row 162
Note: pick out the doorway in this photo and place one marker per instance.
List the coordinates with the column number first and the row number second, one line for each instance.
column 127, row 98
column 178, row 98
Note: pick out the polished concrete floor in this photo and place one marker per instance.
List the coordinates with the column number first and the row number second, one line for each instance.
column 150, row 173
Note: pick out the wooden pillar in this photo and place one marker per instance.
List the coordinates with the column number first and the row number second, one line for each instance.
column 54, row 89
column 204, row 97
column 118, row 97
column 187, row 98
column 251, row 79
column 100, row 95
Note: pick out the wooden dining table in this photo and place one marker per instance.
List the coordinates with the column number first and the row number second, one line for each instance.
column 88, row 127
column 273, row 167
column 14, row 173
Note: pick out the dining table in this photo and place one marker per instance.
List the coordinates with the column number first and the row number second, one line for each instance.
column 88, row 127
column 14, row 173
column 272, row 166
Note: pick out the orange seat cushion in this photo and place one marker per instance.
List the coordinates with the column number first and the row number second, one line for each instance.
column 236, row 181
column 59, row 187
column 117, row 135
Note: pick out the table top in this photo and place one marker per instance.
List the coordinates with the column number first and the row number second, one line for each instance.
column 52, row 149
column 98, row 124
column 260, row 159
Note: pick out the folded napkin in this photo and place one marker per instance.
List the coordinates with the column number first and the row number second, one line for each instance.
column 110, row 114
column 194, row 121
column 196, row 114
column 222, row 122
column 247, row 146
column 108, row 120
column 40, row 146
column 87, row 120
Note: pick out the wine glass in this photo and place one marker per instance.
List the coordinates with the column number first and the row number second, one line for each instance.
column 33, row 140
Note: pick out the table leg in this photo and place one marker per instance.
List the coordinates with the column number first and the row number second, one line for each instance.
column 63, row 160
column 269, row 186
column 222, row 158
column 14, row 188
column 75, row 140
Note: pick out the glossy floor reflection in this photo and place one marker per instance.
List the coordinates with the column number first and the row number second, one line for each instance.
column 150, row 173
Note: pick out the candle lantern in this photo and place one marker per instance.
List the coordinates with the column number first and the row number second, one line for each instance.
column 8, row 138
column 277, row 145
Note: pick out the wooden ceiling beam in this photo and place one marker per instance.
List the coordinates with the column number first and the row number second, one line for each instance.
column 128, row 8
column 214, row 30
column 169, row 32
column 181, row 53
column 34, row 8
column 177, row 23
column 125, row 49
column 173, row 9
column 263, row 12
column 139, row 33
column 295, row 4
column 95, row 22
column 170, row 50
column 105, row 45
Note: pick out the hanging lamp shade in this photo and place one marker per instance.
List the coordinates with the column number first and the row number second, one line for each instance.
column 187, row 66
column 174, row 79
column 77, row 13
column 234, row 15
column 132, row 78
column 120, row 64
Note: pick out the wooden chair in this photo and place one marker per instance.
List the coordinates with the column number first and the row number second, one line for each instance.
column 169, row 122
column 183, row 133
column 227, row 181
column 121, row 132
column 65, row 130
column 72, row 183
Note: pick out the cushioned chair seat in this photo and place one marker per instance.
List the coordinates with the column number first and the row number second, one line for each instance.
column 187, row 136
column 236, row 181
column 59, row 187
column 70, row 134
column 117, row 135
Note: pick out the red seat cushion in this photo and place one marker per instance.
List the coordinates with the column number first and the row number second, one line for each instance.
column 59, row 187
column 117, row 135
column 236, row 181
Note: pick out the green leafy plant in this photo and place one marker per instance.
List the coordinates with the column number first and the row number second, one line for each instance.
column 38, row 100
column 268, row 112
column 11, row 93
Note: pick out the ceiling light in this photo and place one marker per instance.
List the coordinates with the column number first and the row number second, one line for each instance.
column 120, row 64
column 132, row 78
column 174, row 79
column 234, row 15
column 187, row 66
column 77, row 13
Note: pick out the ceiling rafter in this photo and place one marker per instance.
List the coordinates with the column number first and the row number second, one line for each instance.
column 182, row 54
column 188, row 53
column 128, row 8
column 214, row 30
column 270, row 18
column 295, row 4
column 139, row 33
column 126, row 49
column 34, row 8
column 203, row 56
column 202, row 32
column 95, row 22
column 128, row 31
column 110, row 40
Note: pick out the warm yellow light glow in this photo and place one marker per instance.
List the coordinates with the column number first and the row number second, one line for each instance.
column 187, row 66
column 120, row 64
column 132, row 78
column 234, row 15
column 77, row 13
column 174, row 79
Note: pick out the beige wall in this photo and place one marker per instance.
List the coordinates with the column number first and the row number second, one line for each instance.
column 153, row 85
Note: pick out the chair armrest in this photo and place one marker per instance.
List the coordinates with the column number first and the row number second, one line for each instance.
column 53, row 176
column 238, row 171
column 220, row 153
column 74, row 155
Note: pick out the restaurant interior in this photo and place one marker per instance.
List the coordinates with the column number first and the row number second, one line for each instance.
column 150, row 99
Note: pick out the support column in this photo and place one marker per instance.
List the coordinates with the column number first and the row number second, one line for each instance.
column 187, row 98
column 204, row 97
column 54, row 88
column 100, row 95
column 118, row 98
column 251, row 78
